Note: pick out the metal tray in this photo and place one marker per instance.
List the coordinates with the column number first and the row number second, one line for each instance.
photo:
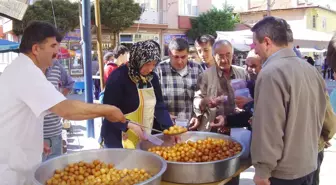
column 202, row 172
column 121, row 158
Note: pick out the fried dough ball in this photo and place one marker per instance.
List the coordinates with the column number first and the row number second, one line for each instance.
column 206, row 150
column 176, row 129
column 97, row 173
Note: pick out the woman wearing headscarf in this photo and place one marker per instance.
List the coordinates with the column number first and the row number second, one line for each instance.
column 135, row 89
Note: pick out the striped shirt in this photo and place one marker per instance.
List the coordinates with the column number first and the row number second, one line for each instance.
column 60, row 79
column 178, row 89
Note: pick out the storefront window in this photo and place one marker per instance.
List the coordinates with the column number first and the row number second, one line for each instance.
column 76, row 65
column 143, row 37
column 126, row 38
column 133, row 38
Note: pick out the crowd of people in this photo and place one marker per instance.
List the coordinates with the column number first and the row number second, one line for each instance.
column 288, row 112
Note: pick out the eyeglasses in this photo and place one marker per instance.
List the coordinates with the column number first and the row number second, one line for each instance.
column 181, row 57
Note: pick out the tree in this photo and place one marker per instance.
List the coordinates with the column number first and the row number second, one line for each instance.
column 212, row 21
column 118, row 15
column 66, row 15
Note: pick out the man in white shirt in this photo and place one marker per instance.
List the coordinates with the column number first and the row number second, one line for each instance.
column 26, row 96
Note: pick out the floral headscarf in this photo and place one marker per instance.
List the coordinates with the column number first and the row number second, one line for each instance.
column 142, row 53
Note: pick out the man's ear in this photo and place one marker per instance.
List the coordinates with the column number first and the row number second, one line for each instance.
column 35, row 49
column 169, row 52
column 268, row 41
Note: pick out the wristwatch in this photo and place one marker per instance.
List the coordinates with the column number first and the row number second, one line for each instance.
column 124, row 126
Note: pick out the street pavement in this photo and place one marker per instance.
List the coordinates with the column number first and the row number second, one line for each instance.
column 78, row 141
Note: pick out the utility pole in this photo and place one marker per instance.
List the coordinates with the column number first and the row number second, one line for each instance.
column 52, row 7
column 99, row 44
column 268, row 7
column 86, row 50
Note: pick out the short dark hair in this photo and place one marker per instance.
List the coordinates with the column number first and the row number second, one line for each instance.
column 204, row 39
column 120, row 50
column 331, row 53
column 179, row 44
column 277, row 29
column 37, row 32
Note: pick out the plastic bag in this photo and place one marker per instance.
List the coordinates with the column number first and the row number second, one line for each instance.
column 181, row 122
column 238, row 84
column 243, row 92
column 333, row 99
column 153, row 139
column 244, row 137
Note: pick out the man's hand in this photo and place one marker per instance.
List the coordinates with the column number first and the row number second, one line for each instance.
column 218, row 122
column 46, row 149
column 172, row 117
column 212, row 102
column 115, row 115
column 66, row 91
column 327, row 144
column 208, row 102
column 204, row 103
column 138, row 130
column 176, row 139
column 258, row 181
column 172, row 140
column 194, row 123
column 241, row 101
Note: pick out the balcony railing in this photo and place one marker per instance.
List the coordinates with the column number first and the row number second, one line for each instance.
column 151, row 16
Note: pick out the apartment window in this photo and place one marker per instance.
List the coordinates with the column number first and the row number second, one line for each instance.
column 188, row 7
column 324, row 23
column 148, row 4
column 126, row 38
column 255, row 3
column 314, row 21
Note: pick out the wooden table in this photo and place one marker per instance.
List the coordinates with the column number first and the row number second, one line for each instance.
column 233, row 180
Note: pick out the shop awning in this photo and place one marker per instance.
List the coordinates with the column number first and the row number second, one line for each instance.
column 240, row 40
column 305, row 38
column 8, row 46
column 311, row 50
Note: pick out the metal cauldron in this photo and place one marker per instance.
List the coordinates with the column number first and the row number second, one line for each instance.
column 202, row 172
column 121, row 158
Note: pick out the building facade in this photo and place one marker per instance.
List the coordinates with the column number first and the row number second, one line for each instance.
column 161, row 20
column 7, row 34
column 311, row 17
column 308, row 14
column 164, row 20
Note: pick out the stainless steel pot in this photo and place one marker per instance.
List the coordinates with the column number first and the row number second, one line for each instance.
column 198, row 173
column 121, row 158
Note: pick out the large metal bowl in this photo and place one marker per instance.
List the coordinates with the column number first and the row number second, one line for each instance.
column 202, row 172
column 121, row 158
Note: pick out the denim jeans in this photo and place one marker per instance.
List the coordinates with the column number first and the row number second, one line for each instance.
column 56, row 145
